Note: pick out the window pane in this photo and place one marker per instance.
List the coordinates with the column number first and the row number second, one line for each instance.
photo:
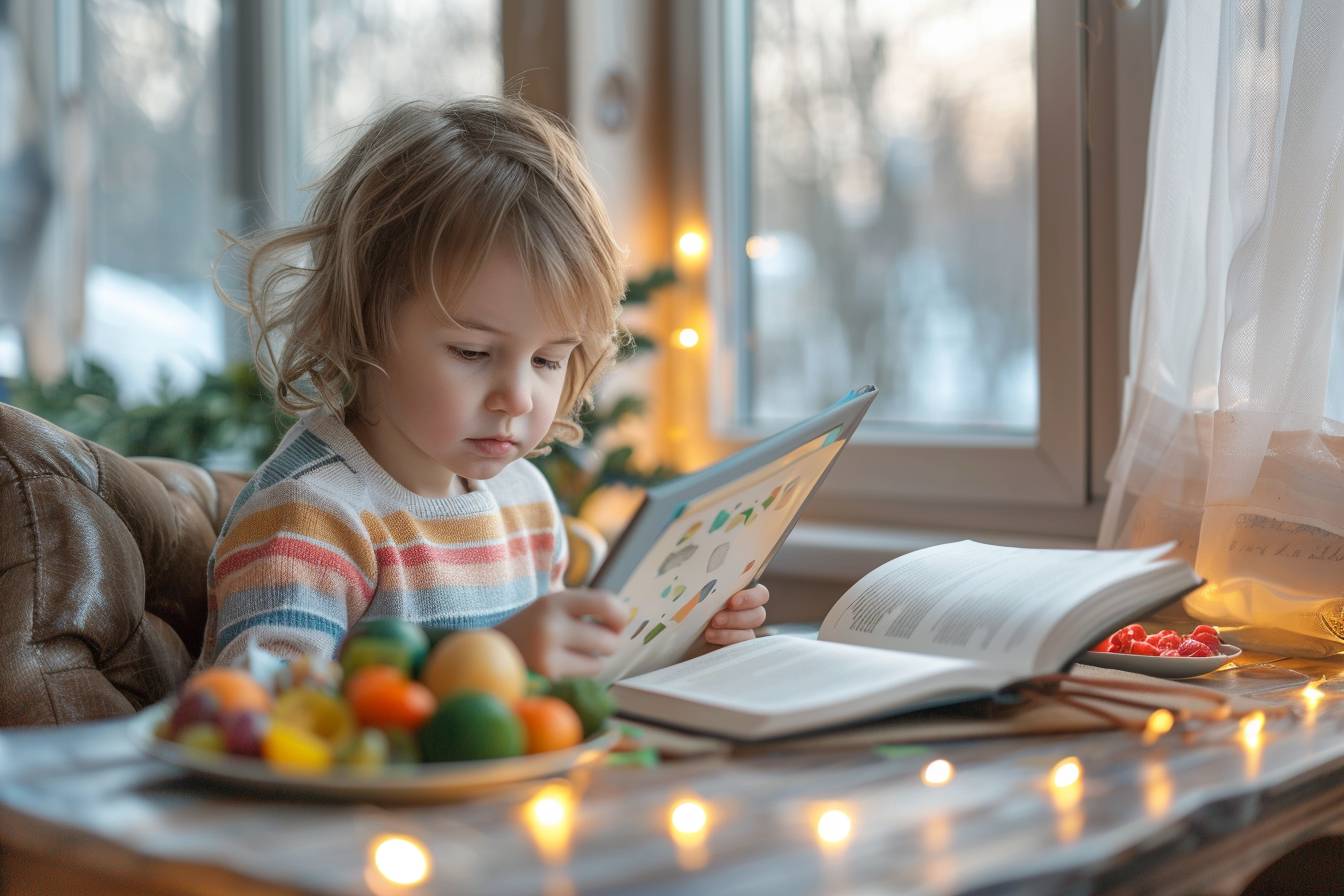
column 893, row 211
column 363, row 55
column 152, row 126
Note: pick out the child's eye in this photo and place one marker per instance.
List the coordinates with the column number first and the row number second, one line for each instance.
column 547, row 363
column 467, row 354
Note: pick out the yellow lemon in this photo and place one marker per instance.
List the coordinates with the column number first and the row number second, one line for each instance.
column 482, row 660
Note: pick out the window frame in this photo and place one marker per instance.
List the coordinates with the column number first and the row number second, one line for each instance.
column 1092, row 125
column 1048, row 467
column 57, row 36
column 264, row 85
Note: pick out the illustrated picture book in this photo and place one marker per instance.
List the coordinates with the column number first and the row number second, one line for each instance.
column 697, row 540
column 937, row 626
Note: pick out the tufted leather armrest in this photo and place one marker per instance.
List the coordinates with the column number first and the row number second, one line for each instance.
column 102, row 573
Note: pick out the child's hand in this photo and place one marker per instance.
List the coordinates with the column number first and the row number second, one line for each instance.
column 566, row 633
column 744, row 612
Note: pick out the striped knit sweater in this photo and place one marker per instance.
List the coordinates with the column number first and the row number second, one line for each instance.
column 322, row 536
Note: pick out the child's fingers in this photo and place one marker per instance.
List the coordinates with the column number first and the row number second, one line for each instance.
column 591, row 639
column 739, row 619
column 578, row 665
column 601, row 606
column 755, row 596
column 728, row 635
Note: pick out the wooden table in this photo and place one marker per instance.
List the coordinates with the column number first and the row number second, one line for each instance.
column 79, row 806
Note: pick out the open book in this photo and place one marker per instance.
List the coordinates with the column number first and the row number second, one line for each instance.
column 943, row 624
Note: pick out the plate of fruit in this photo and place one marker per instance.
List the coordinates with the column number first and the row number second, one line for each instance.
column 1165, row 653
column 403, row 714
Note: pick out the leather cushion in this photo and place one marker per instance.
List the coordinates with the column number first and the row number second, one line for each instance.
column 102, row 573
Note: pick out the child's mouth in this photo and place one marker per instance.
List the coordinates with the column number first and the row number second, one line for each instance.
column 492, row 447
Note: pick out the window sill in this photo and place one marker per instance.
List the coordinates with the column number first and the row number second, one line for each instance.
column 845, row 553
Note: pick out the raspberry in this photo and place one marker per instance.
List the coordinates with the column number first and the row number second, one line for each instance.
column 1191, row 647
column 1136, row 632
column 1208, row 640
column 1205, row 629
column 1142, row 648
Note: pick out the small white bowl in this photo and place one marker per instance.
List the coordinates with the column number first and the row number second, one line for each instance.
column 1162, row 666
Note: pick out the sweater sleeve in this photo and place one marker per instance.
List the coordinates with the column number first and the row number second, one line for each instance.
column 290, row 572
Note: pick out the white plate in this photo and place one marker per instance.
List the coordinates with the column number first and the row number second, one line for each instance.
column 400, row 783
column 1162, row 666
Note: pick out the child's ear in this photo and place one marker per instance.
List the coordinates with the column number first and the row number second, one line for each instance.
column 563, row 429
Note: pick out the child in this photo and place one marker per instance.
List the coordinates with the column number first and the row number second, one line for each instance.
column 444, row 310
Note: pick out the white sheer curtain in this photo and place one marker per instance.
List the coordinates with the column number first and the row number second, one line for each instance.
column 1233, row 443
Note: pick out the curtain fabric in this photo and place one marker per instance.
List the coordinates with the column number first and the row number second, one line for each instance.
column 1233, row 444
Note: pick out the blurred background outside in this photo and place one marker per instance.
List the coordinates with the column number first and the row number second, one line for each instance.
column 889, row 152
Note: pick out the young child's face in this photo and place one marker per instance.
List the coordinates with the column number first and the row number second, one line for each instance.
column 472, row 397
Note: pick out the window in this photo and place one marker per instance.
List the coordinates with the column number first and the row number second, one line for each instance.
column 162, row 122
column 892, row 165
column 146, row 123
column 340, row 62
column 363, row 55
column 899, row 194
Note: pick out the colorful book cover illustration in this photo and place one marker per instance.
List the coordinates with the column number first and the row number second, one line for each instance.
column 708, row 552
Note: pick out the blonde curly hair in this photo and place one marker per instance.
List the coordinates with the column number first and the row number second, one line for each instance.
column 415, row 205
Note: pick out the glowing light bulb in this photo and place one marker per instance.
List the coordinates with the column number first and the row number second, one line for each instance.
column 1249, row 732
column 689, row 817
column 1312, row 697
column 688, row 826
column 691, row 244
column 548, row 816
column 834, row 826
column 1159, row 723
column 1066, row 794
column 937, row 773
column 548, row 811
column 1066, row 773
column 401, row 860
column 1157, row 787
column 687, row 337
column 1250, row 729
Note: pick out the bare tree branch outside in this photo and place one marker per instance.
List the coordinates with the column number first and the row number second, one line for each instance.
column 894, row 180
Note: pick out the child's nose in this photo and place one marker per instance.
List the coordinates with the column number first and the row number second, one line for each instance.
column 511, row 395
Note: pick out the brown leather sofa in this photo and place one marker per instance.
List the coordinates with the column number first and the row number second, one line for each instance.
column 102, row 573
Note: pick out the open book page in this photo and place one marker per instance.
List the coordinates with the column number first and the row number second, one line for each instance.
column 770, row 685
column 991, row 604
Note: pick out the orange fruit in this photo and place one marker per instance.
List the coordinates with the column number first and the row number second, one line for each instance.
column 383, row 697
column 233, row 688
column 549, row 723
column 482, row 660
